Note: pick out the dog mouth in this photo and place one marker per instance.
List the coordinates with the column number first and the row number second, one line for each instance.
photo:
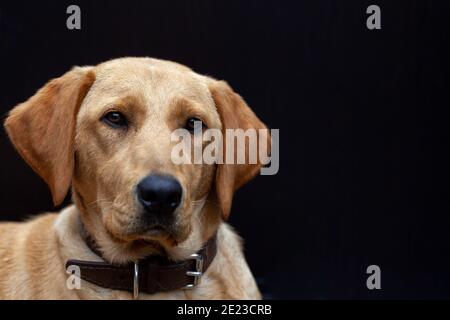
column 141, row 244
column 153, row 239
column 156, row 237
column 156, row 232
column 141, row 233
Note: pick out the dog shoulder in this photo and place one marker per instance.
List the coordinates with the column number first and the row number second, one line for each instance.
column 29, row 255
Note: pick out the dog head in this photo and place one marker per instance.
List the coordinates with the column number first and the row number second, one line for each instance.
column 106, row 131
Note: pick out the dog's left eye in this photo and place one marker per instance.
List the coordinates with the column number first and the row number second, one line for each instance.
column 191, row 122
column 115, row 119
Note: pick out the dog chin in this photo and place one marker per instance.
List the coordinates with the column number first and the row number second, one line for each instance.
column 156, row 232
column 152, row 237
column 164, row 236
column 167, row 237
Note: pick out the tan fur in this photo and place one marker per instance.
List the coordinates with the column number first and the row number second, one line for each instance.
column 59, row 134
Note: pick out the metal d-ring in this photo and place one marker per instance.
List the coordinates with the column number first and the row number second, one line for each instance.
column 136, row 281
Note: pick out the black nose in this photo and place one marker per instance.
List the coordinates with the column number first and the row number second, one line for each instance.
column 159, row 194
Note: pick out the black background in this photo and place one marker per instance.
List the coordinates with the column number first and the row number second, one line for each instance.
column 363, row 118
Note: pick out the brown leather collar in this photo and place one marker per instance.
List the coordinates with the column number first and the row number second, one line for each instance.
column 150, row 275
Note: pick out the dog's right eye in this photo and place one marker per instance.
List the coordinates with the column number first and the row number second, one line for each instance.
column 115, row 119
column 191, row 122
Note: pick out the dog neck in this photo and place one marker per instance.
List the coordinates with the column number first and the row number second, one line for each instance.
column 150, row 275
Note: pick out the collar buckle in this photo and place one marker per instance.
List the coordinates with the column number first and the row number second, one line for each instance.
column 197, row 274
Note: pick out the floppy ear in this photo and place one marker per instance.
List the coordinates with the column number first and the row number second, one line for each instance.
column 42, row 129
column 234, row 114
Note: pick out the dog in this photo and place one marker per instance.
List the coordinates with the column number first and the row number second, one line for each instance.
column 103, row 132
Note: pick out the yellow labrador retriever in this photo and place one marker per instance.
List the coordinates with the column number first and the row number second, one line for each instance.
column 140, row 226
